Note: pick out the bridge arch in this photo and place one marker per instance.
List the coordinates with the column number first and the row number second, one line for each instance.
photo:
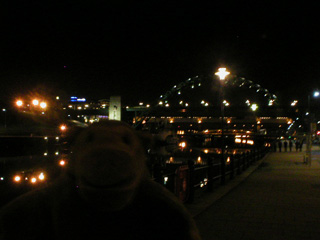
column 232, row 87
column 199, row 96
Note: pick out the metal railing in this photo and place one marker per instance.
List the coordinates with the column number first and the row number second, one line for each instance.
column 185, row 179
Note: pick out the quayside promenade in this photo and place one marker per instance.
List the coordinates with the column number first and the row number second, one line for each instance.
column 280, row 199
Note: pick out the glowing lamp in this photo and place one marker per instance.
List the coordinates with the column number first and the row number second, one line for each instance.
column 19, row 103
column 41, row 176
column 62, row 162
column 222, row 73
column 17, row 178
column 63, row 127
column 35, row 102
column 43, row 105
column 254, row 107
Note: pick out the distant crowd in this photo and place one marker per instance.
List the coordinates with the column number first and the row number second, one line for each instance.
column 286, row 145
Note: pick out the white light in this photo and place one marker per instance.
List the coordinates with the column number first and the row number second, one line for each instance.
column 35, row 102
column 17, row 178
column 294, row 103
column 316, row 94
column 165, row 180
column 222, row 73
column 19, row 103
column 43, row 105
column 41, row 176
column 254, row 107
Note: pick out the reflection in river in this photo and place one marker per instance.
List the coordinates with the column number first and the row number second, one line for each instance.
column 27, row 163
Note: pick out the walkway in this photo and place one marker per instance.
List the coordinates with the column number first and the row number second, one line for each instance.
column 280, row 200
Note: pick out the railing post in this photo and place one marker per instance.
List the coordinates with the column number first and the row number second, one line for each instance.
column 223, row 170
column 253, row 155
column 232, row 167
column 239, row 165
column 249, row 154
column 210, row 175
column 191, row 181
column 244, row 162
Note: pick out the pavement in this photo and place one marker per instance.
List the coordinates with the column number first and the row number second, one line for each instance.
column 276, row 198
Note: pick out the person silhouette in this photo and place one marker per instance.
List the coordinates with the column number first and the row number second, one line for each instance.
column 280, row 145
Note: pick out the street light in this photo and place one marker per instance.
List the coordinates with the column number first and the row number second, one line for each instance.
column 35, row 102
column 5, row 117
column 19, row 103
column 254, row 108
column 222, row 73
column 310, row 128
column 43, row 105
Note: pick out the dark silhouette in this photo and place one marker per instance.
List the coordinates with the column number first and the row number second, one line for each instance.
column 285, row 144
column 290, row 145
column 300, row 145
column 280, row 145
column 297, row 145
column 105, row 194
column 274, row 146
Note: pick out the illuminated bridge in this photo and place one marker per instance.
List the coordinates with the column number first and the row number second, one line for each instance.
column 195, row 105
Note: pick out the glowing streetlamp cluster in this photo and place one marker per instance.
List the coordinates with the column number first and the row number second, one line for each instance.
column 35, row 103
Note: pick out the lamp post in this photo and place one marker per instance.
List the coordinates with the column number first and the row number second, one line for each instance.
column 254, row 108
column 5, row 117
column 310, row 118
column 222, row 73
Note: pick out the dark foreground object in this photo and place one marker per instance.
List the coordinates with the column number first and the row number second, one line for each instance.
column 105, row 194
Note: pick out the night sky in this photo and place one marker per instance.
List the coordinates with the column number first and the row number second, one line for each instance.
column 140, row 49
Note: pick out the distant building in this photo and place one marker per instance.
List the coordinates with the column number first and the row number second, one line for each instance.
column 87, row 111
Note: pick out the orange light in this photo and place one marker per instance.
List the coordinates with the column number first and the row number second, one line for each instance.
column 183, row 145
column 17, row 178
column 19, row 103
column 43, row 105
column 35, row 102
column 33, row 180
column 62, row 162
column 63, row 127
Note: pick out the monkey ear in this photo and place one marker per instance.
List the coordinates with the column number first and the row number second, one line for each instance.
column 147, row 139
